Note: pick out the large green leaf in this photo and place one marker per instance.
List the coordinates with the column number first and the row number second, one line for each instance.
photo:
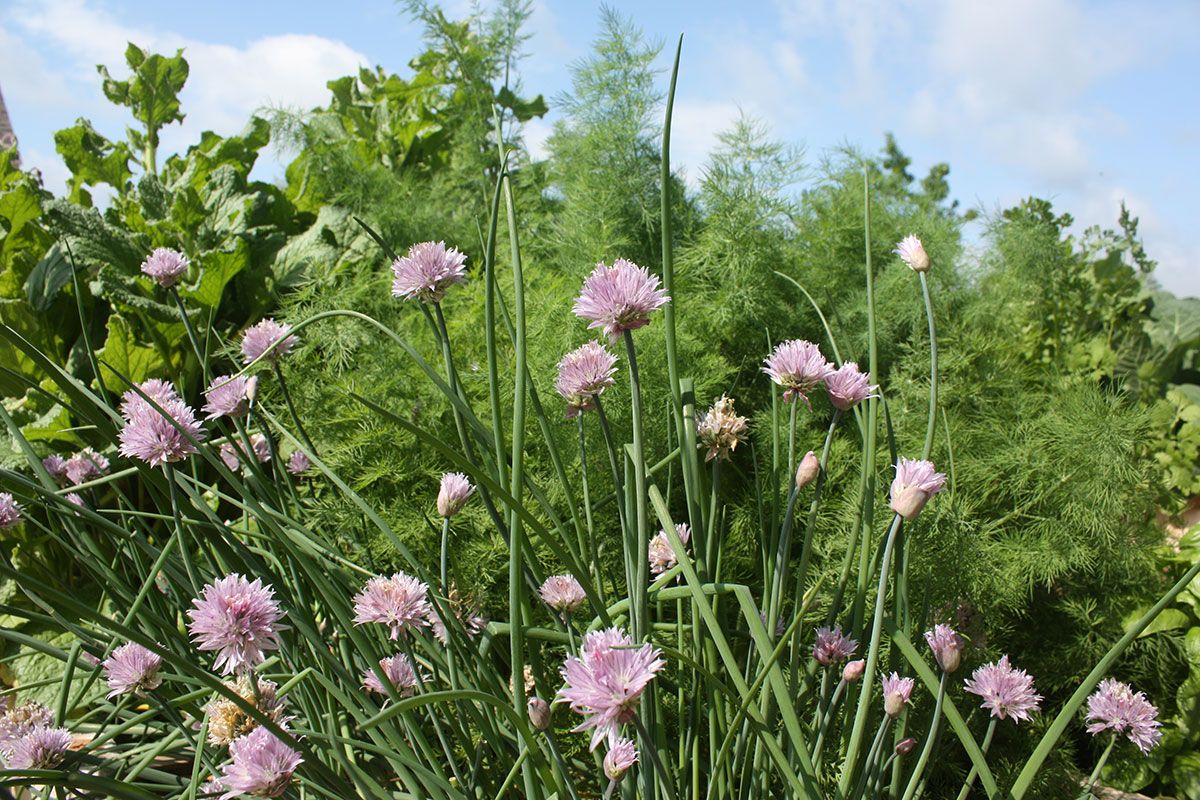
column 217, row 268
column 152, row 91
column 92, row 159
column 133, row 360
column 48, row 278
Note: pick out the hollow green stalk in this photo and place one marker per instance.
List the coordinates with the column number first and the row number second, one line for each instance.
column 287, row 399
column 868, row 679
column 1100, row 766
column 918, row 772
column 974, row 773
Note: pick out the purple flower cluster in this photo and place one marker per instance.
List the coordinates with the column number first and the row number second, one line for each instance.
column 563, row 593
column 154, row 436
column 399, row 672
column 832, row 646
column 606, row 681
column 619, row 298
column 429, row 269
column 167, row 267
column 1007, row 692
column 239, row 619
column 897, row 692
column 228, row 396
column 661, row 553
column 583, row 375
column 132, row 669
column 28, row 739
column 261, row 766
column 1114, row 706
column 721, row 430
column 10, row 511
column 399, row 602
column 798, row 366
column 267, row 338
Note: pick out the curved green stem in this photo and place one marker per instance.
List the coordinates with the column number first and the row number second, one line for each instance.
column 974, row 773
column 287, row 399
column 868, row 679
column 933, row 369
column 930, row 741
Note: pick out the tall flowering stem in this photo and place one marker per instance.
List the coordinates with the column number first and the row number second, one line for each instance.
column 864, row 694
column 974, row 773
column 933, row 369
column 287, row 399
column 517, row 610
column 638, row 607
column 191, row 334
column 917, row 777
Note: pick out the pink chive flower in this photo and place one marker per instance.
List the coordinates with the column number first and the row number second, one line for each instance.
column 912, row 253
column 619, row 298
column 662, row 555
column 41, row 748
column 563, row 593
column 798, row 366
column 847, row 386
column 261, row 447
column 56, row 466
column 10, row 511
column 854, row 670
column 400, row 673
column 583, row 375
column 453, row 494
column 19, row 721
column 400, row 602
column 262, row 766
column 167, row 267
column 914, row 484
column 229, row 397
column 268, row 337
column 1116, row 707
column 229, row 455
column 721, row 430
column 237, row 618
column 832, row 646
column 947, row 647
column 75, row 499
column 606, row 681
column 621, row 755
column 160, row 391
column 86, row 465
column 429, row 269
column 1006, row 691
column 897, row 692
column 132, row 669
column 298, row 463
column 160, row 438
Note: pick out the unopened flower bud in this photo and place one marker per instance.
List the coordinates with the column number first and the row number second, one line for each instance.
column 854, row 670
column 912, row 253
column 252, row 389
column 896, row 693
column 453, row 494
column 539, row 713
column 905, row 746
column 947, row 647
column 808, row 470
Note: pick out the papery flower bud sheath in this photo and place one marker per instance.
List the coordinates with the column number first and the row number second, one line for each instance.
column 539, row 713
column 905, row 746
column 915, row 483
column 912, row 253
column 807, row 470
column 853, row 670
column 947, row 647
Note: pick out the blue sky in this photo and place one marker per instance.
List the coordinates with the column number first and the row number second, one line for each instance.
column 1086, row 103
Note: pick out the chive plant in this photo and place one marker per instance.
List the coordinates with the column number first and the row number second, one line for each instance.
column 223, row 646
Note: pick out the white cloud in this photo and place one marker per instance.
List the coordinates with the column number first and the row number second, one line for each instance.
column 226, row 84
column 695, row 127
